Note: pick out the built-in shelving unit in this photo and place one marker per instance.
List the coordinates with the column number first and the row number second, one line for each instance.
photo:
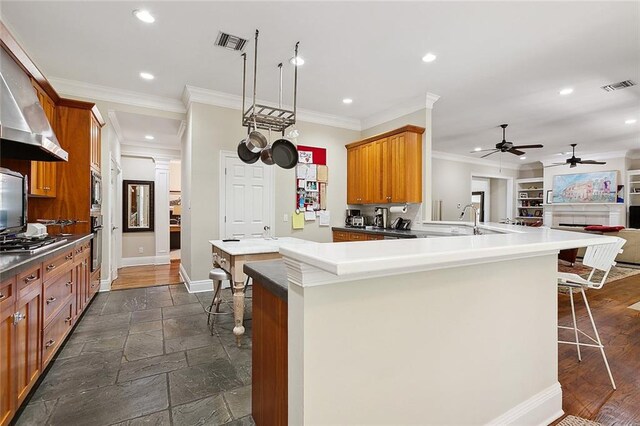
column 530, row 200
column 632, row 191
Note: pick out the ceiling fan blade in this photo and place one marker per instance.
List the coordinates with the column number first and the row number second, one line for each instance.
column 528, row 146
column 591, row 162
column 515, row 151
column 483, row 150
column 556, row 165
column 494, row 151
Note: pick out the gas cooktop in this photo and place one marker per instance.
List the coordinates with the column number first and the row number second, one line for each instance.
column 30, row 245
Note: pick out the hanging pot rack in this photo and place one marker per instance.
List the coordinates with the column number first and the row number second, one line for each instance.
column 265, row 117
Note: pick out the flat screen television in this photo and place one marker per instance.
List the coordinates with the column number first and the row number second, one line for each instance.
column 13, row 202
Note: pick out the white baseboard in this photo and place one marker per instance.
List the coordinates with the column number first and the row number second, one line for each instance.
column 105, row 285
column 146, row 260
column 541, row 409
column 195, row 286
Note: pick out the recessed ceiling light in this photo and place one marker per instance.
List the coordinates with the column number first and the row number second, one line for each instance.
column 297, row 61
column 566, row 91
column 347, row 101
column 429, row 57
column 523, row 157
column 630, row 121
column 144, row 16
column 149, row 137
column 147, row 76
column 477, row 149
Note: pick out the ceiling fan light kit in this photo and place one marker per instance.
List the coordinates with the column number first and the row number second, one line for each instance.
column 265, row 117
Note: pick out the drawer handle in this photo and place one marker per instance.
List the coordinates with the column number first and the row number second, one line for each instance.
column 2, row 296
column 49, row 343
column 30, row 278
column 51, row 267
column 68, row 283
column 67, row 319
column 51, row 300
column 69, row 257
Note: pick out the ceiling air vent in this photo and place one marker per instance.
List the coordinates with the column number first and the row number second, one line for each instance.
column 618, row 86
column 230, row 41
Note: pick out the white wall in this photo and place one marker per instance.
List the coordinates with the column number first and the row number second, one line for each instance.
column 498, row 200
column 211, row 129
column 175, row 175
column 135, row 168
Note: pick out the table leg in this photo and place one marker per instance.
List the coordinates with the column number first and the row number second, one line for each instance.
column 238, row 310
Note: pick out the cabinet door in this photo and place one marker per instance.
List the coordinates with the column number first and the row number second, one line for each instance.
column 353, row 179
column 28, row 342
column 43, row 173
column 95, row 145
column 371, row 173
column 405, row 168
column 7, row 365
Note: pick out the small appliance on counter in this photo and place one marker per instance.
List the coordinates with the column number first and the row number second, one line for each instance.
column 381, row 218
column 401, row 224
column 36, row 230
column 351, row 213
column 357, row 222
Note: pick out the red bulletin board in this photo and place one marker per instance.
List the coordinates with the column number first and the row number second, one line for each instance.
column 319, row 154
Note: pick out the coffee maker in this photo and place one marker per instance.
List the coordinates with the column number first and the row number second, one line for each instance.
column 381, row 218
column 351, row 213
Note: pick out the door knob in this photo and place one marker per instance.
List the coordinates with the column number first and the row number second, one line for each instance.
column 113, row 228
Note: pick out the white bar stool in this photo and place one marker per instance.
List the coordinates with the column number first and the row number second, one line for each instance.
column 218, row 275
column 601, row 258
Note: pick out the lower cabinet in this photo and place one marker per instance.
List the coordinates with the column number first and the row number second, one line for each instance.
column 38, row 309
column 342, row 236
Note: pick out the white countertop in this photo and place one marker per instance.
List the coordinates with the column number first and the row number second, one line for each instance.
column 256, row 245
column 385, row 257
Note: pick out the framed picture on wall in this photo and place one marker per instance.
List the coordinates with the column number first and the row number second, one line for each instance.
column 549, row 196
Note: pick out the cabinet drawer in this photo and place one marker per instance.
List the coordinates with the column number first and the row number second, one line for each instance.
column 94, row 284
column 29, row 281
column 224, row 260
column 81, row 248
column 57, row 265
column 55, row 294
column 55, row 332
column 373, row 237
column 356, row 236
column 7, row 293
column 340, row 235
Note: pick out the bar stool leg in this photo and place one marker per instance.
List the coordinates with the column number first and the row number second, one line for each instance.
column 215, row 301
column 575, row 326
column 593, row 324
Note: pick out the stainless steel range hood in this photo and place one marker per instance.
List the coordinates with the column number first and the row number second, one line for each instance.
column 25, row 132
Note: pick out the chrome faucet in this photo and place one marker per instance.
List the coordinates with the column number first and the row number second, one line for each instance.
column 476, row 230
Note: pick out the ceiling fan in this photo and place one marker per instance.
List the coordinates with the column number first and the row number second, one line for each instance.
column 574, row 161
column 505, row 146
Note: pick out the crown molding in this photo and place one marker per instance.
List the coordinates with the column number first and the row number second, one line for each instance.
column 597, row 156
column 128, row 150
column 412, row 105
column 464, row 159
column 109, row 94
column 200, row 95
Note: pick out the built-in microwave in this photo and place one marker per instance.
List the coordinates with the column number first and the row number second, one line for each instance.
column 96, row 191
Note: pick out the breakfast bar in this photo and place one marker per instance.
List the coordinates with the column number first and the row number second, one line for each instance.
column 429, row 323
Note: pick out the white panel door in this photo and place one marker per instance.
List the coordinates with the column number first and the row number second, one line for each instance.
column 248, row 198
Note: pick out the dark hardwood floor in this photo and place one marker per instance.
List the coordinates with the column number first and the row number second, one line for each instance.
column 586, row 389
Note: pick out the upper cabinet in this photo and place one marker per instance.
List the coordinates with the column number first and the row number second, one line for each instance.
column 96, row 154
column 386, row 168
column 42, row 176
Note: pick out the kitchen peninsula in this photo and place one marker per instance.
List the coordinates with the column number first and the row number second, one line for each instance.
column 432, row 324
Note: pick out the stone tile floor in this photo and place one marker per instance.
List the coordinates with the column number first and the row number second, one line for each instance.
column 146, row 357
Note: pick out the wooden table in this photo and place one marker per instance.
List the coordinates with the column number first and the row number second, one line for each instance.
column 232, row 255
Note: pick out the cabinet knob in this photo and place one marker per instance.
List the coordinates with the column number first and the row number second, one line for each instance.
column 51, row 300
column 2, row 296
column 68, row 283
column 51, row 267
column 17, row 317
column 30, row 278
column 49, row 343
column 67, row 319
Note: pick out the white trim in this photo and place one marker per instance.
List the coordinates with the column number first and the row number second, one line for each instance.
column 222, row 191
column 113, row 117
column 146, row 260
column 541, row 409
column 110, row 94
column 510, row 189
column 198, row 286
column 105, row 285
column 193, row 94
column 405, row 108
column 127, row 151
column 471, row 160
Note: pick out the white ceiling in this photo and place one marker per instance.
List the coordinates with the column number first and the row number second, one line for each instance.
column 132, row 129
column 498, row 62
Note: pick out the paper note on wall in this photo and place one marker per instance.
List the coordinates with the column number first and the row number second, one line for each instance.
column 297, row 220
column 312, row 172
column 310, row 216
column 323, row 174
column 302, row 170
column 324, row 217
column 323, row 196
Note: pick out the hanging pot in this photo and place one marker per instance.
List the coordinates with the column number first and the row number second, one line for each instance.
column 284, row 153
column 245, row 155
column 266, row 155
column 256, row 141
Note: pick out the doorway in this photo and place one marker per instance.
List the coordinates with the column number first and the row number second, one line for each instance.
column 246, row 198
column 477, row 199
column 175, row 209
column 493, row 196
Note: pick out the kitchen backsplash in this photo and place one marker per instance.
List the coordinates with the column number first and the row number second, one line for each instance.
column 413, row 211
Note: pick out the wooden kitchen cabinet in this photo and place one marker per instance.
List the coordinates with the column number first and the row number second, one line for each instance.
column 95, row 134
column 342, row 236
column 42, row 179
column 7, row 351
column 386, row 168
column 28, row 326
